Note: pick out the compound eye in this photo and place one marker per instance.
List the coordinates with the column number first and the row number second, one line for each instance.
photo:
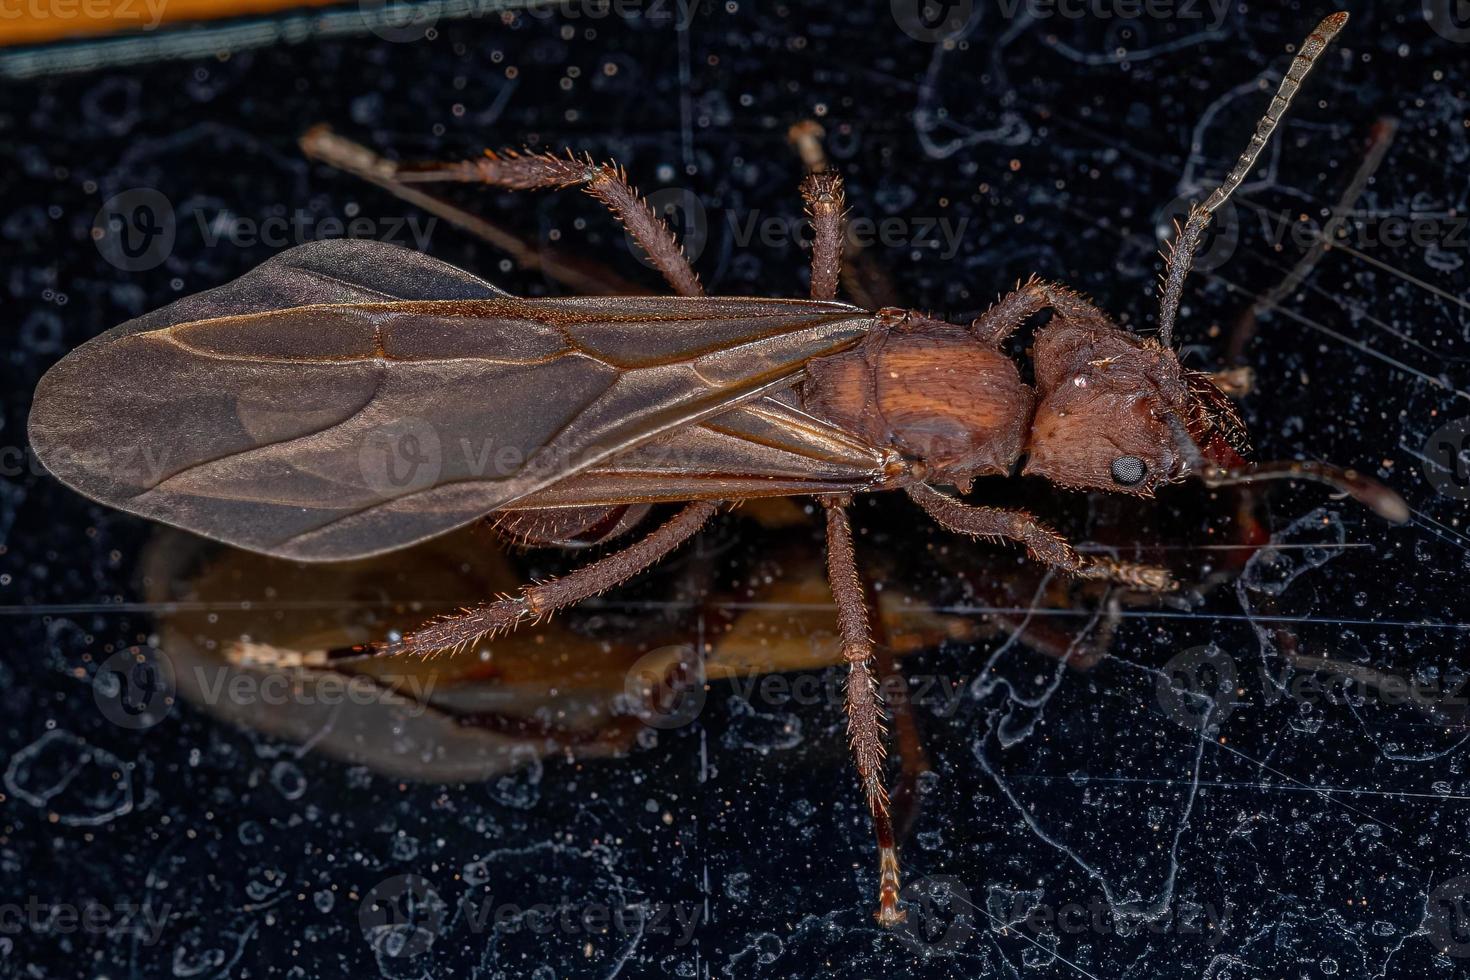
column 1129, row 471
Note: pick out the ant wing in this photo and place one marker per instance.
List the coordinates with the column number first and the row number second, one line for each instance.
column 763, row 448
column 349, row 398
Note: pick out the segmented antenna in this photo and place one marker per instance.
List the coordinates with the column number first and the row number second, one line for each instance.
column 1364, row 489
column 1181, row 254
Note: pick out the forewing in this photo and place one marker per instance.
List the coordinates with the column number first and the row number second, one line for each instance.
column 349, row 398
column 764, row 448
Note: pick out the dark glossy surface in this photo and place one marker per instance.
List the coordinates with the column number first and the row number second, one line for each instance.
column 1096, row 812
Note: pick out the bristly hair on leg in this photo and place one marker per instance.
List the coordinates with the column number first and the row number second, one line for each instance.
column 459, row 631
column 605, row 182
column 865, row 725
column 453, row 633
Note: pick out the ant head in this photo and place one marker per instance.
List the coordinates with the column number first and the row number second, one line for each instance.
column 1113, row 410
column 1119, row 413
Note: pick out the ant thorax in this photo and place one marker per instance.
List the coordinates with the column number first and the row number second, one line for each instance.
column 931, row 392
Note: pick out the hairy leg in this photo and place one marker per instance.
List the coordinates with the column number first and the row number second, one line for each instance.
column 1029, row 298
column 823, row 194
column 912, row 759
column 864, row 279
column 578, row 274
column 822, row 191
column 604, row 181
column 824, row 199
column 459, row 630
column 1043, row 544
column 865, row 727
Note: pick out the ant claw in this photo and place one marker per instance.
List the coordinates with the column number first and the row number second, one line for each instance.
column 1150, row 578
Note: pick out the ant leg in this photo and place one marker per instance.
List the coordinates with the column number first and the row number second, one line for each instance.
column 607, row 182
column 865, row 727
column 1029, row 298
column 913, row 761
column 1043, row 544
column 459, row 630
column 863, row 278
column 823, row 195
column 574, row 272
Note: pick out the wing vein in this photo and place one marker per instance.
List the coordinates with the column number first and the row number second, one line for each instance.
column 161, row 484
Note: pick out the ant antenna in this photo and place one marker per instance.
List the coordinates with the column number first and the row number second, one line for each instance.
column 1365, row 490
column 1181, row 252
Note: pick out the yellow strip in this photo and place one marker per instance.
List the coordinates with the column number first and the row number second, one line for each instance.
column 40, row 21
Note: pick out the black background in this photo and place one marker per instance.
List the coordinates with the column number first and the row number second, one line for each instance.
column 1327, row 834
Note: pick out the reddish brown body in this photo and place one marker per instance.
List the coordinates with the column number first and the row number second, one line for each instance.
column 260, row 413
column 953, row 406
